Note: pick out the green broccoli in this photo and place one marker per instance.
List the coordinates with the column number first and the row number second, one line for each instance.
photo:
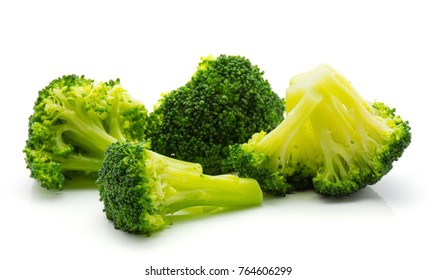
column 224, row 103
column 74, row 120
column 141, row 188
column 331, row 139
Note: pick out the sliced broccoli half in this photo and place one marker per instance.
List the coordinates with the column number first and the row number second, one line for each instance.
column 141, row 188
column 224, row 103
column 74, row 120
column 331, row 139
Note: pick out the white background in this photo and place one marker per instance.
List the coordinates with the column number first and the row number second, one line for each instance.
column 387, row 50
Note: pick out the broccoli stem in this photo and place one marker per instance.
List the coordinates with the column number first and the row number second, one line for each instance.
column 352, row 106
column 187, row 189
column 186, row 166
column 88, row 135
column 114, row 124
column 175, row 163
column 79, row 163
column 80, row 129
column 277, row 142
column 347, row 116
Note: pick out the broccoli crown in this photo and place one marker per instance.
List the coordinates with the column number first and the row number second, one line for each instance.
column 331, row 139
column 140, row 188
column 224, row 103
column 74, row 120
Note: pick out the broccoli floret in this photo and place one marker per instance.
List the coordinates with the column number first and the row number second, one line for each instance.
column 74, row 120
column 331, row 139
column 224, row 103
column 141, row 188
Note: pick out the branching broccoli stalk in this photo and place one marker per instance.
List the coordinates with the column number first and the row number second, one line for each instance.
column 331, row 139
column 74, row 120
column 140, row 188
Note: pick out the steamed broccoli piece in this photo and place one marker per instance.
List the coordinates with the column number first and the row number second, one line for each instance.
column 331, row 139
column 141, row 188
column 224, row 103
column 74, row 120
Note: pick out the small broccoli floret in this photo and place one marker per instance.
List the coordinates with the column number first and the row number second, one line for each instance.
column 141, row 188
column 74, row 120
column 224, row 103
column 331, row 139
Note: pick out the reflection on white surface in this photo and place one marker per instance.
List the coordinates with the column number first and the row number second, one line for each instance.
column 302, row 206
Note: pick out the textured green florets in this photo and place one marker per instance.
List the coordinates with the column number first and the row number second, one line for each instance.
column 224, row 103
column 128, row 189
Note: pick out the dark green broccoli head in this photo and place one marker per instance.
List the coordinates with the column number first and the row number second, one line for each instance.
column 224, row 103
column 74, row 120
column 129, row 190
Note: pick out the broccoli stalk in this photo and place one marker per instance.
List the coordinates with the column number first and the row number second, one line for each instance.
column 77, row 126
column 331, row 139
column 276, row 143
column 140, row 188
column 74, row 120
